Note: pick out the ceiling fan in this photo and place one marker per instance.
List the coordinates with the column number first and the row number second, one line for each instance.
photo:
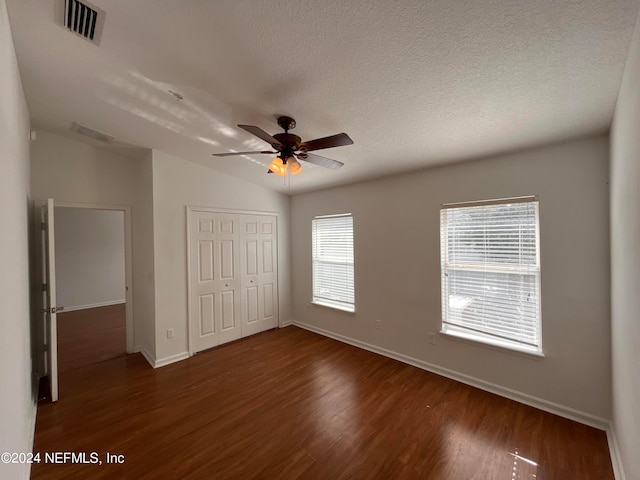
column 290, row 148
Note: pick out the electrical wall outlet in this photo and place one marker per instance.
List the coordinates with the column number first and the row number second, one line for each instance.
column 432, row 338
column 378, row 324
column 170, row 333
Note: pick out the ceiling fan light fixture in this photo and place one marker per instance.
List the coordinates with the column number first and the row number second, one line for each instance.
column 294, row 166
column 278, row 167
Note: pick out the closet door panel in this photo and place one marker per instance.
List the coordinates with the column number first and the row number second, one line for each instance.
column 260, row 274
column 214, row 278
column 233, row 271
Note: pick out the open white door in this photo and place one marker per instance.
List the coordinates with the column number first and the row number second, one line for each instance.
column 49, row 298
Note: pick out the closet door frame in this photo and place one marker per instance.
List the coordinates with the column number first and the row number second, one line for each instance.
column 190, row 210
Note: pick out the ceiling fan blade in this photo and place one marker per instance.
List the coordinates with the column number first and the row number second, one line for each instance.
column 258, row 132
column 338, row 140
column 229, row 154
column 322, row 161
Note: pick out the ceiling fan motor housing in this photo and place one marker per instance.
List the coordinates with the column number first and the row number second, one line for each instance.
column 288, row 144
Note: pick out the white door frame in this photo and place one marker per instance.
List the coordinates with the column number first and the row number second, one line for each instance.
column 190, row 209
column 128, row 260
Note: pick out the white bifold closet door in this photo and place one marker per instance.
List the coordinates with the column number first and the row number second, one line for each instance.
column 258, row 278
column 233, row 276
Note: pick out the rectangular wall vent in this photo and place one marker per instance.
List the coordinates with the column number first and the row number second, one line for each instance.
column 83, row 19
column 90, row 132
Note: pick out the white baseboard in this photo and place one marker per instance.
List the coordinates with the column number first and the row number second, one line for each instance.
column 147, row 356
column 286, row 323
column 91, row 305
column 614, row 450
column 171, row 359
column 547, row 406
column 160, row 362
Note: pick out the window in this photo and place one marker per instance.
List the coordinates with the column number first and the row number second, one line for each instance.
column 332, row 239
column 491, row 272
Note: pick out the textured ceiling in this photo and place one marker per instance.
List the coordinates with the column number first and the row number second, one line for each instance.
column 414, row 83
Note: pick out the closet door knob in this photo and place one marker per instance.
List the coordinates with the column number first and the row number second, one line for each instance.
column 226, row 284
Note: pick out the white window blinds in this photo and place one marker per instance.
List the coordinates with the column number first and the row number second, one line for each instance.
column 332, row 245
column 491, row 271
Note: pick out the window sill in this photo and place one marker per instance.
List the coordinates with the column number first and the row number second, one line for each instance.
column 494, row 344
column 347, row 310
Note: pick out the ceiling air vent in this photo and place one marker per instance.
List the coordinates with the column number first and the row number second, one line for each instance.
column 90, row 132
column 83, row 19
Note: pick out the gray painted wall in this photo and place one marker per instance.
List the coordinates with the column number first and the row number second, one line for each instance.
column 89, row 257
column 176, row 185
column 397, row 268
column 17, row 402
column 625, row 263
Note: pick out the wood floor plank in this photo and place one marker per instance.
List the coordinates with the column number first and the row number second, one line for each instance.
column 290, row 404
column 91, row 335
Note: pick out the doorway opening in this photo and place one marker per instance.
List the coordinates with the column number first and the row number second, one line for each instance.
column 91, row 286
column 87, row 299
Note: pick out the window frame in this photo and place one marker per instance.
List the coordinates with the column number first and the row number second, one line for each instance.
column 343, row 306
column 467, row 333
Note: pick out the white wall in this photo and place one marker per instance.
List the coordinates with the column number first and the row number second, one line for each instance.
column 89, row 257
column 397, row 268
column 176, row 185
column 17, row 401
column 159, row 188
column 74, row 172
column 625, row 263
column 143, row 269
column 71, row 171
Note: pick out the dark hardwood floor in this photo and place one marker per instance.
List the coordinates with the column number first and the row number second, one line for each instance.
column 91, row 335
column 290, row 404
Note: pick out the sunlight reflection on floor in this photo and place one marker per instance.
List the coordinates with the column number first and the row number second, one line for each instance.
column 523, row 468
